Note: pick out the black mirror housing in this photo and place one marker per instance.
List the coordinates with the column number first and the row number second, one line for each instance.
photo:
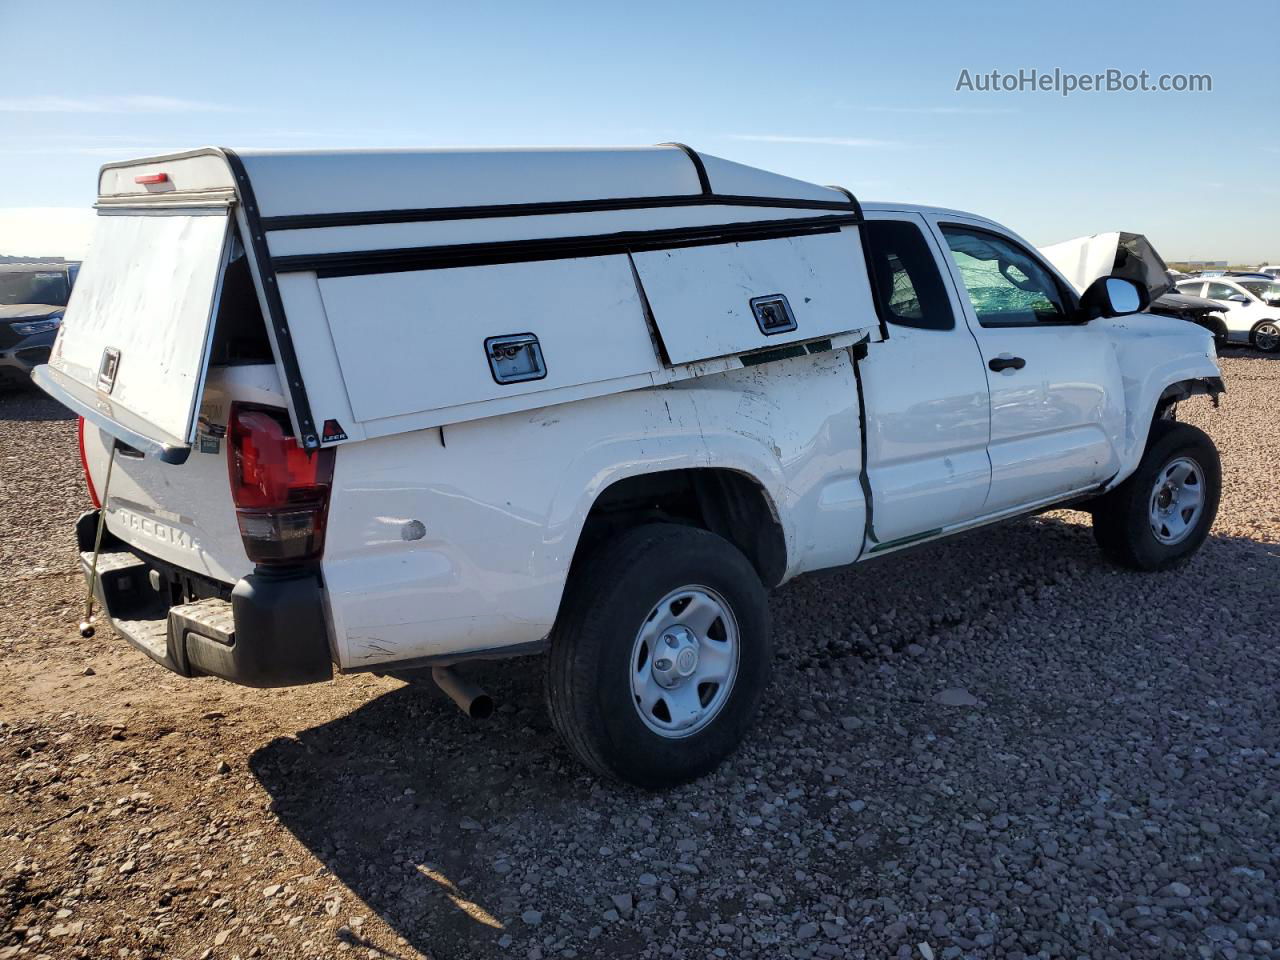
column 1113, row 297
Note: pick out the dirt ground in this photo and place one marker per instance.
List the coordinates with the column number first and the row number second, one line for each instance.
column 1113, row 747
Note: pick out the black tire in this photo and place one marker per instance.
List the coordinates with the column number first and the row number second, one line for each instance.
column 1268, row 343
column 610, row 596
column 1122, row 523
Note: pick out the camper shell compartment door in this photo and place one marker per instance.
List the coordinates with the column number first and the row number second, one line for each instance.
column 133, row 349
column 422, row 341
column 729, row 299
column 400, row 351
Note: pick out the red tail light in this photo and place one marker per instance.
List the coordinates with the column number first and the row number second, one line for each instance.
column 281, row 491
column 84, row 465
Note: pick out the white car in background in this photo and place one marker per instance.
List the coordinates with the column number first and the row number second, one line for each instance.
column 1270, row 269
column 1252, row 308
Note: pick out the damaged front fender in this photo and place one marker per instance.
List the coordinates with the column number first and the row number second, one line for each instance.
column 1175, row 393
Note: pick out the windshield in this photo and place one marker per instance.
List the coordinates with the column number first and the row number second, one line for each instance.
column 38, row 286
column 1262, row 289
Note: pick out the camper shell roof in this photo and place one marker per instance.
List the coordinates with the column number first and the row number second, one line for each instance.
column 301, row 188
column 648, row 253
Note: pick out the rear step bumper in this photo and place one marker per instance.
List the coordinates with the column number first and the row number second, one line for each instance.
column 270, row 632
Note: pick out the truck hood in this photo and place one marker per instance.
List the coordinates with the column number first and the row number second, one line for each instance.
column 1115, row 254
column 28, row 311
column 1185, row 303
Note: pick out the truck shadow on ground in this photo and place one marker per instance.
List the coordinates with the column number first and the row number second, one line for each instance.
column 1247, row 353
column 29, row 403
column 442, row 826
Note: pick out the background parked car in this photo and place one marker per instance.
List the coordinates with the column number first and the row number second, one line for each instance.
column 1272, row 270
column 33, row 296
column 1252, row 307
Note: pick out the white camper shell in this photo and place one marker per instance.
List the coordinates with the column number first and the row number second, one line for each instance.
column 391, row 280
column 392, row 410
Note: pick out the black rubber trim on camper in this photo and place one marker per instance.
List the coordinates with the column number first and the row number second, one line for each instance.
column 403, row 259
column 493, row 211
column 864, row 479
column 256, row 246
column 703, row 180
column 871, row 276
column 857, row 207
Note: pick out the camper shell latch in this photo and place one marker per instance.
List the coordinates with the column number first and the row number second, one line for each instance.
column 515, row 358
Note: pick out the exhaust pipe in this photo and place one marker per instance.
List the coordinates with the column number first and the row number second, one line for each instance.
column 471, row 700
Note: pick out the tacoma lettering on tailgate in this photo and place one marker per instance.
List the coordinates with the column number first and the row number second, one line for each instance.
column 155, row 530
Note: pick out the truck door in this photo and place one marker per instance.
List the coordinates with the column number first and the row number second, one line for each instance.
column 1057, row 400
column 924, row 391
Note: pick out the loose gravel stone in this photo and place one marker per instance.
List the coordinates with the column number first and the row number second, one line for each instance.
column 956, row 697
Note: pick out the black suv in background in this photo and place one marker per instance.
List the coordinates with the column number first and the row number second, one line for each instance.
column 33, row 297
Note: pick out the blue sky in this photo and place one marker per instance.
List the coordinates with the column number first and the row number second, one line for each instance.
column 859, row 94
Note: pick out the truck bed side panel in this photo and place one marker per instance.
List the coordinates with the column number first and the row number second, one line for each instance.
column 501, row 501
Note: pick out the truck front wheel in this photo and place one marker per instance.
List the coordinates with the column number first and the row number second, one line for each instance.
column 1161, row 515
column 660, row 655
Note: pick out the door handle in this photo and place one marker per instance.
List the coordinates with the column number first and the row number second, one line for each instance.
column 1006, row 362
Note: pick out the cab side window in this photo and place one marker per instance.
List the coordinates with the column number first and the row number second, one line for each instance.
column 1191, row 289
column 905, row 281
column 1007, row 286
column 1220, row 291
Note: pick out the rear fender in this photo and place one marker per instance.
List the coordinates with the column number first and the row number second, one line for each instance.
column 459, row 541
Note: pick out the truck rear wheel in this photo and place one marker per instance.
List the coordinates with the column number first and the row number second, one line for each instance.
column 1161, row 515
column 660, row 655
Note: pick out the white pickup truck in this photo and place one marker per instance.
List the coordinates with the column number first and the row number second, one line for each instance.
column 393, row 410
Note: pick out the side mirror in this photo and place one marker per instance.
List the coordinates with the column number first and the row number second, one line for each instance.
column 1238, row 298
column 1112, row 297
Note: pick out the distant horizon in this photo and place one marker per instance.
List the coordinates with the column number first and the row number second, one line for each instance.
column 874, row 101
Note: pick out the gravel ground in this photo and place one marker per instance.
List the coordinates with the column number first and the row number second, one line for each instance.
column 997, row 746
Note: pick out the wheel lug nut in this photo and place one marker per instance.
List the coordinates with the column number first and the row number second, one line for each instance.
column 663, row 664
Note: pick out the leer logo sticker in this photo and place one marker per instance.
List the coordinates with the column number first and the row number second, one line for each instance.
column 332, row 431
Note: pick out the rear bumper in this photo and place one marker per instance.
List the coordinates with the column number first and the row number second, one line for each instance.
column 269, row 630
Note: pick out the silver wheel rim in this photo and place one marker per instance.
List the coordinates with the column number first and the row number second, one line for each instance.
column 684, row 661
column 1267, row 337
column 1177, row 500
